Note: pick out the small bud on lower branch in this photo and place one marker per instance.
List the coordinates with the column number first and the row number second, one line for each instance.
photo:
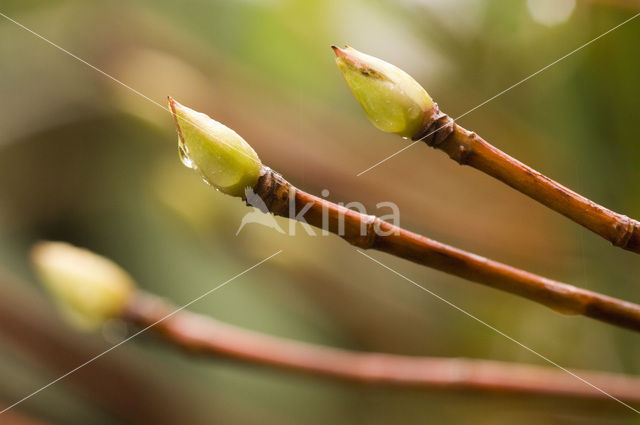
column 222, row 157
column 88, row 289
column 91, row 289
column 391, row 98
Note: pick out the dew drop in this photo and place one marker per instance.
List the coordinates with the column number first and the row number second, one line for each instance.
column 184, row 155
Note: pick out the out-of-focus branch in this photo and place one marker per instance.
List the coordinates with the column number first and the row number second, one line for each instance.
column 17, row 418
column 205, row 336
column 115, row 383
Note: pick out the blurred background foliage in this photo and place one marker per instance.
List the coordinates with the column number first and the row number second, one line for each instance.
column 83, row 159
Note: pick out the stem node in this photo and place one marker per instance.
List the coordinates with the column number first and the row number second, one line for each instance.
column 439, row 128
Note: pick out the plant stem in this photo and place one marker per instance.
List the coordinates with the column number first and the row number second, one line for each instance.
column 205, row 336
column 467, row 148
column 13, row 417
column 123, row 386
column 369, row 232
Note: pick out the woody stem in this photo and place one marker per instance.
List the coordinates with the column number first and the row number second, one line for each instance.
column 369, row 232
column 467, row 148
column 205, row 336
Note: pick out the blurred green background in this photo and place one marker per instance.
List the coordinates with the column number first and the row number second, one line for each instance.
column 85, row 160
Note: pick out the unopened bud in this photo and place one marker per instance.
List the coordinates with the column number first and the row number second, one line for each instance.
column 223, row 158
column 391, row 98
column 88, row 288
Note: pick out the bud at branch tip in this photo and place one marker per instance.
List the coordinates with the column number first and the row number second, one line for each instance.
column 223, row 158
column 89, row 289
column 393, row 101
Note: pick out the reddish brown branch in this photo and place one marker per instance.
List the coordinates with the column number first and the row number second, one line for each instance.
column 467, row 148
column 369, row 232
column 205, row 336
column 118, row 383
column 18, row 418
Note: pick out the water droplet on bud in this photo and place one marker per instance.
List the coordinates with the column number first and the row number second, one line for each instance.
column 184, row 155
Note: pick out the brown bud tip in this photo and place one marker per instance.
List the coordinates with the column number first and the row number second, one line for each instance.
column 338, row 51
column 172, row 103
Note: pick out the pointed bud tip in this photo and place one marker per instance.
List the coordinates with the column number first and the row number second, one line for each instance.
column 172, row 103
column 338, row 51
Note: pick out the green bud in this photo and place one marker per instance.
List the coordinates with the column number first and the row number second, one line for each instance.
column 391, row 98
column 88, row 288
column 223, row 158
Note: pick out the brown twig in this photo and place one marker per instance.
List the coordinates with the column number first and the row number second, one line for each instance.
column 19, row 418
column 369, row 232
column 467, row 148
column 120, row 384
column 208, row 337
